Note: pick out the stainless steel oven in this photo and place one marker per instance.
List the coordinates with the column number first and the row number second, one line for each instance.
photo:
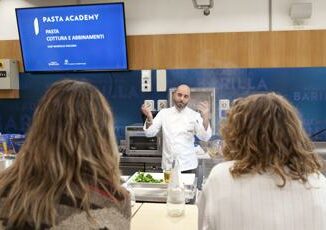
column 140, row 145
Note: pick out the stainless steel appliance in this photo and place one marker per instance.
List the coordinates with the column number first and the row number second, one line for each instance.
column 140, row 145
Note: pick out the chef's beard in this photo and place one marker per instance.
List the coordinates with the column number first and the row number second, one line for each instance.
column 180, row 105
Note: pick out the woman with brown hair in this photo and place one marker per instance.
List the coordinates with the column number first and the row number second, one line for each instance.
column 66, row 174
column 271, row 179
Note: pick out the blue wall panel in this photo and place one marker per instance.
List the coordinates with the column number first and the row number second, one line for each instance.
column 304, row 87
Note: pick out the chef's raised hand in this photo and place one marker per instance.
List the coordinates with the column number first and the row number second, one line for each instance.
column 204, row 110
column 147, row 112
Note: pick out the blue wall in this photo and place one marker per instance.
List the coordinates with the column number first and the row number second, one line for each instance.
column 304, row 87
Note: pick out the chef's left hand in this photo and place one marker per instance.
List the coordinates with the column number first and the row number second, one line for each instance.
column 204, row 109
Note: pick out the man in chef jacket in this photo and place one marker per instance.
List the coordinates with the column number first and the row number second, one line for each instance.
column 179, row 125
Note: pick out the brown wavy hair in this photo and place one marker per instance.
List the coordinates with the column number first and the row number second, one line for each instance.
column 263, row 133
column 70, row 148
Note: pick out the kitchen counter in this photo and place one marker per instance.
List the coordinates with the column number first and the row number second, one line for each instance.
column 154, row 216
column 135, row 208
column 131, row 164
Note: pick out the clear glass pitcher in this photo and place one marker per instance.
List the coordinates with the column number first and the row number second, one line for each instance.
column 3, row 146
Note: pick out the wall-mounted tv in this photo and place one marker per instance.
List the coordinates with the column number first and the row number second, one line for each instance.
column 73, row 38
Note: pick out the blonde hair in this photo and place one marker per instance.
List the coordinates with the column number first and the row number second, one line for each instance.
column 263, row 133
column 70, row 147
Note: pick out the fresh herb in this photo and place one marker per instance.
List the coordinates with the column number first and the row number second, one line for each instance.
column 146, row 178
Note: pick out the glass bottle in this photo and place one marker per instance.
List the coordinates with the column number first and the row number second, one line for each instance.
column 3, row 146
column 176, row 192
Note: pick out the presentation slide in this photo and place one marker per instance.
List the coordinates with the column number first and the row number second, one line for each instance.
column 83, row 37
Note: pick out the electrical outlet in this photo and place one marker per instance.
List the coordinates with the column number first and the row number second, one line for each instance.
column 146, row 81
column 150, row 104
column 161, row 104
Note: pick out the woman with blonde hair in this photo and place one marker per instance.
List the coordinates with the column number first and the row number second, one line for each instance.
column 271, row 179
column 66, row 175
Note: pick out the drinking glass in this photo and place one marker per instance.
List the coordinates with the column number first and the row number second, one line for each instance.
column 167, row 174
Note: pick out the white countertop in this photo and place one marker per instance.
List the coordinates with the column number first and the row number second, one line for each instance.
column 154, row 216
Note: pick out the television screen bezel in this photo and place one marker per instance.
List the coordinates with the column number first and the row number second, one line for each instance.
column 75, row 71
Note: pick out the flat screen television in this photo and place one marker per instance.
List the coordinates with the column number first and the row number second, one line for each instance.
column 73, row 38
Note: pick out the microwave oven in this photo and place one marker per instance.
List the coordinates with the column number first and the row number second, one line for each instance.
column 137, row 144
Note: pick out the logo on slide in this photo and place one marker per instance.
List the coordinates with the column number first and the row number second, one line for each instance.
column 36, row 27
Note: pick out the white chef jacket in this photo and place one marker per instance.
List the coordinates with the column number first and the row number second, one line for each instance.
column 178, row 130
column 255, row 202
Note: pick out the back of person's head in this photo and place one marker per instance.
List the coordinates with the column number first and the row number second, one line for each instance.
column 69, row 148
column 263, row 133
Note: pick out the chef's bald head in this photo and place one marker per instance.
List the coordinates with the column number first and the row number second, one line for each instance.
column 181, row 96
